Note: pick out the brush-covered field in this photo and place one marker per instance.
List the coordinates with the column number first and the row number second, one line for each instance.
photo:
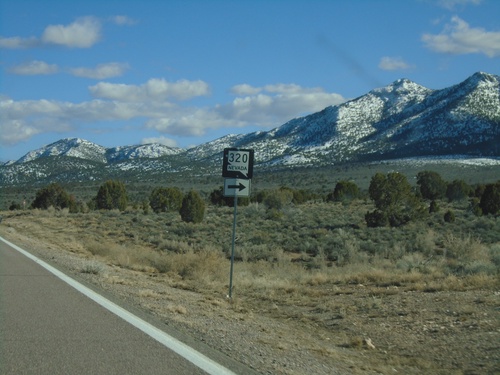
column 316, row 291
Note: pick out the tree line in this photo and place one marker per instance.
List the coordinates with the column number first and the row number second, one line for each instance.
column 396, row 201
column 112, row 195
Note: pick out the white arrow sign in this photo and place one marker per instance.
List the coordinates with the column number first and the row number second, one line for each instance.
column 236, row 187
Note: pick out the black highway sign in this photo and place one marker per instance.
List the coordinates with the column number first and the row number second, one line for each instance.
column 237, row 163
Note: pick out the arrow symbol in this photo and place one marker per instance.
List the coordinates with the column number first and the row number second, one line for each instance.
column 240, row 186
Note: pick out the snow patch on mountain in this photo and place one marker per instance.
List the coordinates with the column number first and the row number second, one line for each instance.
column 72, row 147
column 149, row 151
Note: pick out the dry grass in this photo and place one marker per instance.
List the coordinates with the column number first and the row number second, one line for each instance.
column 312, row 246
column 314, row 269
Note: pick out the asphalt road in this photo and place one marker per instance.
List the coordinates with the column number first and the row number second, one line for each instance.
column 49, row 327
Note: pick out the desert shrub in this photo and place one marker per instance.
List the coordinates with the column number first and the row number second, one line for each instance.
column 477, row 267
column 423, row 242
column 93, row 268
column 457, row 190
column 342, row 248
column 395, row 250
column 397, row 219
column 175, row 246
column 479, row 190
column 376, row 218
column 98, row 248
column 193, row 208
column 182, row 229
column 254, row 253
column 259, row 196
column 302, row 196
column 411, row 262
column 431, row 185
column 192, row 265
column 145, row 206
column 433, row 207
column 369, row 246
column 490, row 200
column 278, row 199
column 474, row 206
column 111, row 195
column 463, row 247
column 274, row 214
column 14, row 206
column 495, row 255
column 449, row 216
column 344, row 191
column 217, row 198
column 165, row 199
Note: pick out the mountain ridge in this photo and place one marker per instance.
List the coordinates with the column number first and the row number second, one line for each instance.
column 400, row 120
column 83, row 149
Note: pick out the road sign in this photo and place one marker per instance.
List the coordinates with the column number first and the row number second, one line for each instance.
column 236, row 187
column 237, row 163
column 237, row 168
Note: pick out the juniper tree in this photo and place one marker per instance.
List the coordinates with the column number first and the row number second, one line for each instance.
column 490, row 200
column 112, row 195
column 431, row 185
column 394, row 200
column 54, row 195
column 193, row 208
column 165, row 199
column 344, row 190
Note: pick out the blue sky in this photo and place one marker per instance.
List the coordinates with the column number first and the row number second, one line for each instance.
column 184, row 72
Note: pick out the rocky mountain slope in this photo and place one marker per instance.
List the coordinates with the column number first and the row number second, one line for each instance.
column 401, row 120
column 82, row 149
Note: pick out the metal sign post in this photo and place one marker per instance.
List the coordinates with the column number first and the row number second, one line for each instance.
column 237, row 169
column 232, row 247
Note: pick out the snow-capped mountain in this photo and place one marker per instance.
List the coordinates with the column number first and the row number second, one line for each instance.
column 82, row 149
column 72, row 147
column 401, row 120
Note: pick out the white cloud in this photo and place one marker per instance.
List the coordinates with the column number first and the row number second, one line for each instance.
column 154, row 89
column 161, row 140
column 267, row 107
column 191, row 122
column 17, row 42
column 101, row 71
column 83, row 33
column 23, row 119
column 123, row 20
column 273, row 105
column 458, row 38
column 393, row 63
column 16, row 131
column 245, row 89
column 289, row 89
column 35, row 67
column 452, row 4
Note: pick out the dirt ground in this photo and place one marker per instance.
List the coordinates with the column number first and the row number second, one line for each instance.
column 339, row 329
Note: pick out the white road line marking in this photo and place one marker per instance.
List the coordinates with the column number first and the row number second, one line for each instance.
column 185, row 351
